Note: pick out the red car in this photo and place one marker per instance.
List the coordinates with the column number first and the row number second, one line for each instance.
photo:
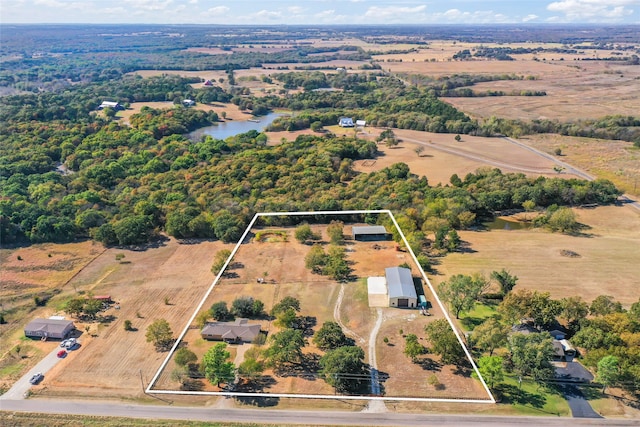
column 62, row 353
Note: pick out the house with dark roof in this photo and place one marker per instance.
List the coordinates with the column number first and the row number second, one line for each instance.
column 231, row 332
column 49, row 328
column 400, row 287
column 369, row 233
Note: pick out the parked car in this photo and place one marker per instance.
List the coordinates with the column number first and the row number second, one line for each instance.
column 71, row 343
column 63, row 343
column 36, row 378
column 62, row 353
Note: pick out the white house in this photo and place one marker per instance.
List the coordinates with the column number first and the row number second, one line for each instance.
column 346, row 122
column 115, row 105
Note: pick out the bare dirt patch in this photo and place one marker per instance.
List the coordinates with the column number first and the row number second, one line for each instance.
column 607, row 265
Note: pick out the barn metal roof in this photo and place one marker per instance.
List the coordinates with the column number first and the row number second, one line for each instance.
column 368, row 229
column 400, row 282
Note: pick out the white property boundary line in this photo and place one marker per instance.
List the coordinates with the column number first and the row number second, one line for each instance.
column 318, row 396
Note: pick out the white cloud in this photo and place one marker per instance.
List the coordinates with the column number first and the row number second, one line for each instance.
column 456, row 16
column 296, row 10
column 147, row 5
column 592, row 10
column 268, row 15
column 530, row 17
column 218, row 10
column 395, row 13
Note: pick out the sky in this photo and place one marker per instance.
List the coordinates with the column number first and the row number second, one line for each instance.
column 320, row 12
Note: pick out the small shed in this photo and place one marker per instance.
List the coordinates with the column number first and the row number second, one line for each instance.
column 402, row 292
column 558, row 334
column 369, row 233
column 231, row 332
column 208, row 83
column 361, row 123
column 188, row 102
column 49, row 328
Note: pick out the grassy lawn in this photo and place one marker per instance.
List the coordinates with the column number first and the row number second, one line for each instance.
column 529, row 399
column 479, row 313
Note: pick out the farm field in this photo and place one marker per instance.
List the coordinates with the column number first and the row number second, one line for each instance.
column 280, row 262
column 607, row 263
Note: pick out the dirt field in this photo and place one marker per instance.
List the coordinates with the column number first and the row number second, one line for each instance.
column 443, row 156
column 608, row 263
column 232, row 111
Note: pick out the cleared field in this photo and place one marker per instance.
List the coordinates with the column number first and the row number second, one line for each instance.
column 231, row 110
column 608, row 263
column 443, row 156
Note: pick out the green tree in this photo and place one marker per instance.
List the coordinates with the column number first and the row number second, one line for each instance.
column 412, row 347
column 160, row 334
column 215, row 365
column 563, row 220
column 444, row 341
column 574, row 309
column 492, row 370
column 75, row 306
column 330, row 336
column 286, row 348
column 184, row 356
column 247, row 307
column 344, row 368
column 284, row 304
column 608, row 371
column 128, row 325
column 490, row 335
column 337, row 267
column 461, row 292
column 220, row 258
column 316, row 259
column 286, row 319
column 92, row 307
column 133, row 230
column 304, row 234
column 458, row 138
column 505, row 280
column 335, row 231
column 603, row 305
column 220, row 312
column 531, row 355
column 251, row 368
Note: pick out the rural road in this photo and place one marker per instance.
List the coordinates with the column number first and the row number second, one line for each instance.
column 258, row 416
column 20, row 387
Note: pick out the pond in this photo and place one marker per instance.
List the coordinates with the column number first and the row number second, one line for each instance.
column 503, row 224
column 228, row 128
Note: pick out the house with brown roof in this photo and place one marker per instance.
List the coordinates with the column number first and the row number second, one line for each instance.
column 231, row 332
column 49, row 328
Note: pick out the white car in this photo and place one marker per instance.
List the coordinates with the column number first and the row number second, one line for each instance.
column 70, row 343
column 63, row 343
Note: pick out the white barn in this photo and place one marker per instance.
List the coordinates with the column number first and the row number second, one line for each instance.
column 400, row 288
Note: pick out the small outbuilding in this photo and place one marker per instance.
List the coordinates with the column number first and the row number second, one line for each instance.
column 188, row 102
column 231, row 332
column 369, row 233
column 361, row 123
column 402, row 291
column 49, row 328
column 208, row 83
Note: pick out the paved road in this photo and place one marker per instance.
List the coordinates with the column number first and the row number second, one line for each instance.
column 151, row 412
column 20, row 387
column 579, row 405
